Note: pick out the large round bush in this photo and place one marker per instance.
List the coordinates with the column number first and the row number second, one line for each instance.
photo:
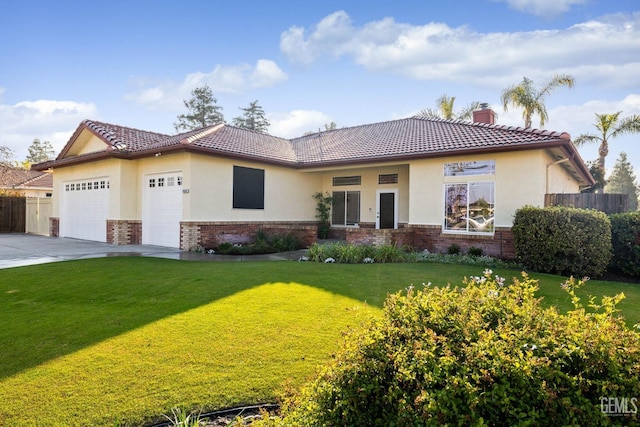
column 625, row 237
column 484, row 353
column 560, row 240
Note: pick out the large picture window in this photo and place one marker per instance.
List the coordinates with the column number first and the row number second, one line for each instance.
column 248, row 188
column 469, row 207
column 345, row 208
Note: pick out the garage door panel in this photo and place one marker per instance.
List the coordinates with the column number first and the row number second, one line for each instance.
column 162, row 209
column 85, row 207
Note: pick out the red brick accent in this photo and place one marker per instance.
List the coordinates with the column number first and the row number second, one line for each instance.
column 370, row 236
column 54, row 226
column 124, row 232
column 431, row 237
column 211, row 234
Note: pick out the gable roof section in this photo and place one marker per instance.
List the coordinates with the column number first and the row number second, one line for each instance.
column 410, row 138
column 23, row 179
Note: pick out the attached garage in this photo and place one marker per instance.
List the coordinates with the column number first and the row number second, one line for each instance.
column 84, row 208
column 162, row 209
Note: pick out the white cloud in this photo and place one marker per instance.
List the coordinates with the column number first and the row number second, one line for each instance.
column 544, row 8
column 297, row 122
column 48, row 120
column 604, row 51
column 222, row 79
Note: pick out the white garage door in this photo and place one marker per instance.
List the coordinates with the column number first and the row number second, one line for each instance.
column 162, row 209
column 84, row 209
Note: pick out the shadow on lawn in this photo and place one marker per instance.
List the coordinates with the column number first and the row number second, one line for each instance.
column 56, row 309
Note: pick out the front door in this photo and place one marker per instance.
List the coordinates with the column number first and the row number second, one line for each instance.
column 387, row 210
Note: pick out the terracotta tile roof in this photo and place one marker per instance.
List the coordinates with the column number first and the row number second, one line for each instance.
column 236, row 141
column 133, row 139
column 20, row 178
column 413, row 137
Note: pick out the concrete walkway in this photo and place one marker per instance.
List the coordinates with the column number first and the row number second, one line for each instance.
column 18, row 250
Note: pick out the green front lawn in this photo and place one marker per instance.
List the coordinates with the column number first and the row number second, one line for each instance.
column 101, row 341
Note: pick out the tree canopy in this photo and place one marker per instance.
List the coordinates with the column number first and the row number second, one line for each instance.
column 623, row 181
column 202, row 110
column 40, row 151
column 531, row 99
column 609, row 127
column 444, row 109
column 253, row 118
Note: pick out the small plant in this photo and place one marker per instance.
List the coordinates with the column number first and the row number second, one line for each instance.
column 475, row 251
column 323, row 213
column 180, row 418
column 197, row 248
column 454, row 249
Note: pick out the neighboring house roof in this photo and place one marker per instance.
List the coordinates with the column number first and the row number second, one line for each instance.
column 21, row 179
column 410, row 138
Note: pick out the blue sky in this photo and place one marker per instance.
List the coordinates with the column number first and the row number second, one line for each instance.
column 310, row 62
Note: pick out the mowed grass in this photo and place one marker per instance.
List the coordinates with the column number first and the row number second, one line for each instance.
column 123, row 340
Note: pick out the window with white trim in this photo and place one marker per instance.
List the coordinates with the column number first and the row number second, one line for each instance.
column 345, row 208
column 469, row 203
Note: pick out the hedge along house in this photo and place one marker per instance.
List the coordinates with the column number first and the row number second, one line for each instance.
column 423, row 182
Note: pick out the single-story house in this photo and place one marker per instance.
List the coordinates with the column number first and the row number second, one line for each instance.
column 423, row 182
column 26, row 183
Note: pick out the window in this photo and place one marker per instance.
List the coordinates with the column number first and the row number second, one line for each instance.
column 160, row 182
column 170, row 181
column 179, row 181
column 480, row 167
column 89, row 185
column 391, row 178
column 84, row 186
column 152, row 182
column 66, row 187
column 102, row 184
column 346, row 180
column 345, row 208
column 469, row 207
column 248, row 188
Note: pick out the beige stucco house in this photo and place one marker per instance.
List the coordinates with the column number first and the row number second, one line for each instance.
column 418, row 181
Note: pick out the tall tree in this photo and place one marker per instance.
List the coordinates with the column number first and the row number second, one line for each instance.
column 40, row 151
column 330, row 126
column 253, row 117
column 623, row 180
column 609, row 127
column 444, row 109
column 6, row 165
column 598, row 176
column 202, row 110
column 531, row 99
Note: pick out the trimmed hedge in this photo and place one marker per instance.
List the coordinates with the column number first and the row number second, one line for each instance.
column 625, row 239
column 561, row 240
column 486, row 353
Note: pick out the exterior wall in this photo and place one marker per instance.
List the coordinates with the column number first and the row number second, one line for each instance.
column 211, row 234
column 519, row 178
column 124, row 232
column 370, row 187
column 93, row 144
column 559, row 180
column 287, row 193
column 430, row 237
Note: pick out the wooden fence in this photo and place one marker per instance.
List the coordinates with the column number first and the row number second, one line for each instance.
column 13, row 214
column 604, row 202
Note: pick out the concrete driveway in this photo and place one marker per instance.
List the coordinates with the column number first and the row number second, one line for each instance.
column 28, row 249
column 17, row 250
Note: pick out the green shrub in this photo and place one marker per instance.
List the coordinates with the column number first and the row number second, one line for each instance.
column 454, row 249
column 560, row 240
column 625, row 239
column 485, row 353
column 475, row 251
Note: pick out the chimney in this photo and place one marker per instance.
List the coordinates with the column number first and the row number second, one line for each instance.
column 484, row 115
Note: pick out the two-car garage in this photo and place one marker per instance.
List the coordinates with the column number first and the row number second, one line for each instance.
column 84, row 209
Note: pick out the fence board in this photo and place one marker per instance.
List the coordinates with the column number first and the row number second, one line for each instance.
column 608, row 203
column 13, row 214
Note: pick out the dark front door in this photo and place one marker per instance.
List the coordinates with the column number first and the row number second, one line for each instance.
column 387, row 210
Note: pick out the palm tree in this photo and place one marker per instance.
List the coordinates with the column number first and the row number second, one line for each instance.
column 531, row 99
column 444, row 109
column 609, row 127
